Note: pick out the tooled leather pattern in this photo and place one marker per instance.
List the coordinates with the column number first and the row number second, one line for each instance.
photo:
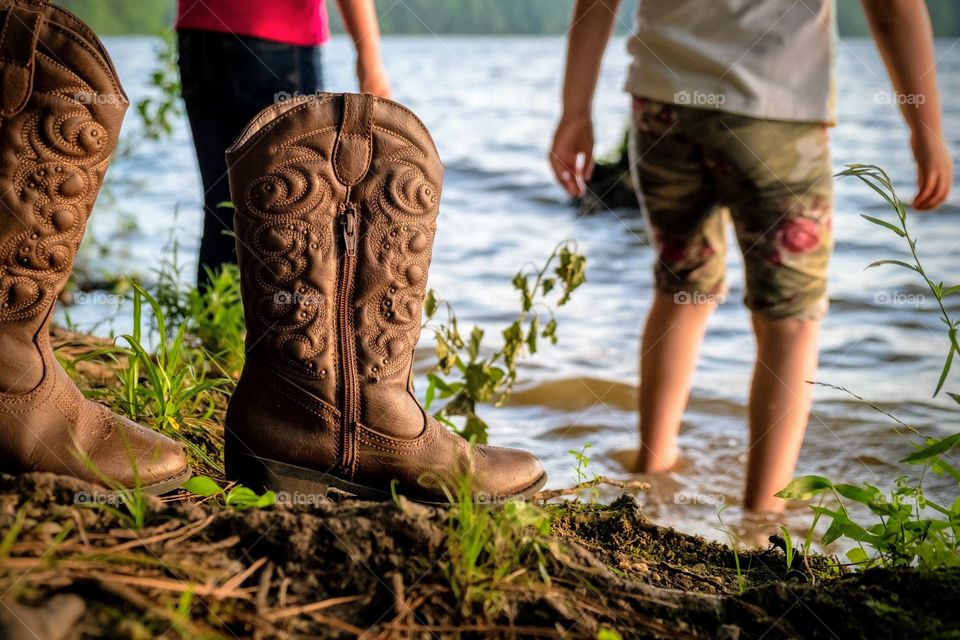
column 403, row 207
column 288, row 241
column 61, row 153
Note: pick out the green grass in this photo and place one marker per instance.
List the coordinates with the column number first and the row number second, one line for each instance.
column 908, row 527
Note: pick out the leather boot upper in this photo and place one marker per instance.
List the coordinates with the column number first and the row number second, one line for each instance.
column 61, row 108
column 337, row 197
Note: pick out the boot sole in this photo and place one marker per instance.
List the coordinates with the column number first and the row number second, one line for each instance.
column 308, row 486
column 155, row 489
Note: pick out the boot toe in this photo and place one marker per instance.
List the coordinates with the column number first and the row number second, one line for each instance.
column 505, row 473
column 159, row 459
column 132, row 454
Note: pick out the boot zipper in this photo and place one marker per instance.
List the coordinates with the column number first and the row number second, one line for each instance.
column 348, row 357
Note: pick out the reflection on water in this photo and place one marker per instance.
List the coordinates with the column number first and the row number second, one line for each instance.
column 490, row 104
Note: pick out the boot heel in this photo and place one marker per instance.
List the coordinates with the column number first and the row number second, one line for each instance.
column 261, row 475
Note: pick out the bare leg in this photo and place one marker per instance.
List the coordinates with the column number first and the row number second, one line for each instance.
column 668, row 358
column 779, row 406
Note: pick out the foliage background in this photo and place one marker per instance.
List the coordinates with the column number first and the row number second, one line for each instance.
column 113, row 17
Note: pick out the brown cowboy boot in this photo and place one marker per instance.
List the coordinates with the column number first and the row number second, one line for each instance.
column 336, row 201
column 60, row 112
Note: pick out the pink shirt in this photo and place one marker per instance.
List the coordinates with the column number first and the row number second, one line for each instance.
column 299, row 22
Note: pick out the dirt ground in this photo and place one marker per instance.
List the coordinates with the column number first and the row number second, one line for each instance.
column 348, row 568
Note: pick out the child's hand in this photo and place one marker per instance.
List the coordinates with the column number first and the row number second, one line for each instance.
column 934, row 170
column 371, row 76
column 571, row 155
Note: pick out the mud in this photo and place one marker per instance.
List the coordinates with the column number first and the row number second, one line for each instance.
column 348, row 568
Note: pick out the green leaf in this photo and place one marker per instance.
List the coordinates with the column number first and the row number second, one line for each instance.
column 430, row 394
column 430, row 304
column 242, row 497
column 935, row 449
column 804, row 488
column 858, row 556
column 547, row 285
column 202, row 486
column 476, row 337
column 475, row 430
column 946, row 369
column 883, row 223
column 268, row 499
column 899, row 263
column 532, row 334
column 859, row 494
column 550, row 331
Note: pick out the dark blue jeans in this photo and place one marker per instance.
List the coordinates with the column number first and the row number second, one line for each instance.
column 226, row 80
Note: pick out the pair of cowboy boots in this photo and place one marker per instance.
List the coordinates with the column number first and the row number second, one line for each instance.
column 336, row 197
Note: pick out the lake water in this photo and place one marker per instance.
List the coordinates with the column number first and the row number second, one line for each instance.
column 490, row 103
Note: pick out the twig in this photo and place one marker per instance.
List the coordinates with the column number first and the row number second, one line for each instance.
column 289, row 612
column 629, row 485
column 337, row 624
column 237, row 581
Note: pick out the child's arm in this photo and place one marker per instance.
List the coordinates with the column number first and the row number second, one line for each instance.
column 571, row 155
column 360, row 22
column 901, row 29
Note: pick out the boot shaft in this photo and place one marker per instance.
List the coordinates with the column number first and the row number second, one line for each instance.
column 336, row 202
column 60, row 113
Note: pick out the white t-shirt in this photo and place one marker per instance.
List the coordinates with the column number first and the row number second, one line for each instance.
column 770, row 59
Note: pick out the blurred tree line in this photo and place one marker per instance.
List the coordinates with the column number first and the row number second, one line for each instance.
column 110, row 17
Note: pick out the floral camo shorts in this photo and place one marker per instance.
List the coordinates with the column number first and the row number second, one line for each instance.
column 773, row 177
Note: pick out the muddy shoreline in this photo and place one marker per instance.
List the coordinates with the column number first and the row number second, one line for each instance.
column 348, row 568
column 73, row 566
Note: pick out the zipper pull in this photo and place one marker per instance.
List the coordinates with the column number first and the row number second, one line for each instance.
column 349, row 221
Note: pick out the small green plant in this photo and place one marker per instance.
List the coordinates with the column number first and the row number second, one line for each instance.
column 788, row 547
column 580, row 470
column 911, row 529
column 215, row 317
column 734, row 542
column 237, row 496
column 212, row 314
column 169, row 386
column 491, row 545
column 464, row 377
